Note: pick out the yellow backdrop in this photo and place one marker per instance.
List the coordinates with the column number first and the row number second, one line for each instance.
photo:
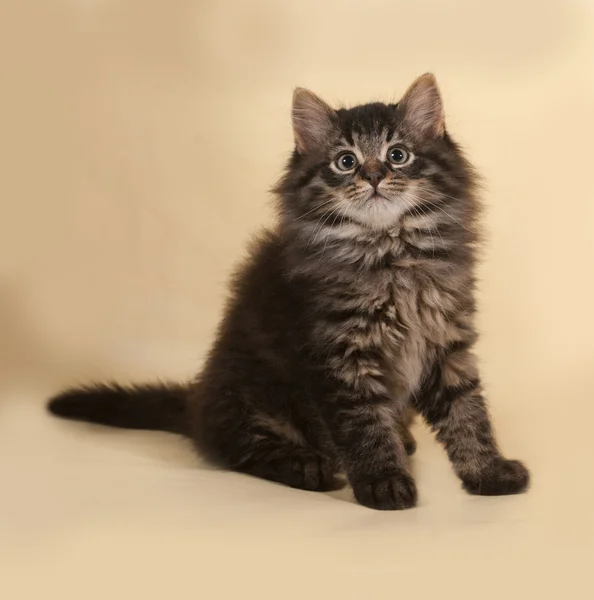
column 138, row 142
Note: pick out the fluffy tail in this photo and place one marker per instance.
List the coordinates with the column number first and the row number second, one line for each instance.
column 159, row 407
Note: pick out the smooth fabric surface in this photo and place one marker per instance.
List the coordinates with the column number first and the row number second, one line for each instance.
column 138, row 142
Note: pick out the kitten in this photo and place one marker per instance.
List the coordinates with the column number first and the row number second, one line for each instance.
column 355, row 310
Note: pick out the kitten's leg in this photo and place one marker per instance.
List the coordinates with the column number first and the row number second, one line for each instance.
column 453, row 404
column 360, row 413
column 362, row 426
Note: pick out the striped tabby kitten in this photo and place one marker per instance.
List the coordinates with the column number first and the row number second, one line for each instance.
column 356, row 310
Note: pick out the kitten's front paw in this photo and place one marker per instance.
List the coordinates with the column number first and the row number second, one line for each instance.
column 392, row 492
column 500, row 478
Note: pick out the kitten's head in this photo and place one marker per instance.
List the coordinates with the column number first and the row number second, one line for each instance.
column 372, row 163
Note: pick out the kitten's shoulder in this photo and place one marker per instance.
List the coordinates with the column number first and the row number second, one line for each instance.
column 262, row 260
column 264, row 242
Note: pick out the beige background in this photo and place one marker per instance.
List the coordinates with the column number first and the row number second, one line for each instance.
column 138, row 139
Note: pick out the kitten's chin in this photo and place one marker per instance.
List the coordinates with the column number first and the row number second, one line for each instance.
column 379, row 213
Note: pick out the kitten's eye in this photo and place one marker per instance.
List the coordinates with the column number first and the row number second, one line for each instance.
column 398, row 155
column 346, row 161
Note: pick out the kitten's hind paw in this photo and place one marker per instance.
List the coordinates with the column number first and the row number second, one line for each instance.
column 300, row 469
column 500, row 478
column 392, row 492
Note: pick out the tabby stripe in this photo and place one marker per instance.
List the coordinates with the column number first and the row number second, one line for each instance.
column 437, row 253
column 450, row 393
column 459, row 346
column 439, row 408
column 423, row 209
column 330, row 177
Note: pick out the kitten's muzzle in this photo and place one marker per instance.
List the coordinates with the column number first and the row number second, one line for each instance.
column 373, row 171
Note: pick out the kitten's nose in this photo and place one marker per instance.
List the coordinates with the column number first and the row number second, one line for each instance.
column 373, row 171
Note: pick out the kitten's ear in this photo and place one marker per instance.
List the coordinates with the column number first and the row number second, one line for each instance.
column 313, row 120
column 421, row 107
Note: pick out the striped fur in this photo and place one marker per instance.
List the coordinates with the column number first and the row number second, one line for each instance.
column 355, row 310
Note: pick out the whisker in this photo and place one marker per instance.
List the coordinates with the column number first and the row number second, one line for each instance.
column 439, row 207
column 416, row 211
column 410, row 205
column 433, row 226
column 314, row 209
column 333, row 222
column 325, row 220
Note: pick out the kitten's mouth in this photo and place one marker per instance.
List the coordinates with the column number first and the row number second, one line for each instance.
column 377, row 196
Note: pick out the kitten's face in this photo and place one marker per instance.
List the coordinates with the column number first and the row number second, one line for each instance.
column 369, row 171
column 372, row 163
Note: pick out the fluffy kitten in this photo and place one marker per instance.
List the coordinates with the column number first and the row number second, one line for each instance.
column 356, row 309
